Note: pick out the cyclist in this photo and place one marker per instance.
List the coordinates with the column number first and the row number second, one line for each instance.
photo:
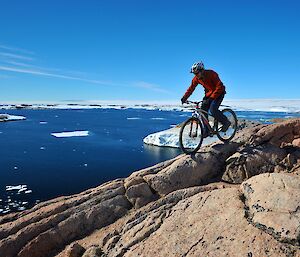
column 214, row 93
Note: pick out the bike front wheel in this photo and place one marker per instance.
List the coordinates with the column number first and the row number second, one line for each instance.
column 191, row 136
column 227, row 135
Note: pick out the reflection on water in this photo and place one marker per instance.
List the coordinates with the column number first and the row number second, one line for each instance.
column 160, row 152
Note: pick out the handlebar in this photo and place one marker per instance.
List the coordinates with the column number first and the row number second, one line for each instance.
column 192, row 102
column 198, row 103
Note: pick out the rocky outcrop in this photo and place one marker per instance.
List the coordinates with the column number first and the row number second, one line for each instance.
column 190, row 222
column 272, row 148
column 234, row 199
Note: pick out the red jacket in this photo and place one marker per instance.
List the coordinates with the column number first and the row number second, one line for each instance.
column 212, row 84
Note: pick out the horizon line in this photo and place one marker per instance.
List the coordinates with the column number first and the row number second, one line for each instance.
column 124, row 101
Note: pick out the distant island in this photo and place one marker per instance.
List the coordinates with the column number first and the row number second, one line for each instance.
column 7, row 117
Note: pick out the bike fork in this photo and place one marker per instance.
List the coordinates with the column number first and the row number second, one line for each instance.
column 191, row 129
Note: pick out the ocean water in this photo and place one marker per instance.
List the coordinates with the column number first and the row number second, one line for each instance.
column 36, row 166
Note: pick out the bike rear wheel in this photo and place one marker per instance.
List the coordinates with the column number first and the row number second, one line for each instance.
column 191, row 136
column 230, row 132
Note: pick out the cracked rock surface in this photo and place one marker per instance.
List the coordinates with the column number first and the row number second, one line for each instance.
column 274, row 205
column 181, row 207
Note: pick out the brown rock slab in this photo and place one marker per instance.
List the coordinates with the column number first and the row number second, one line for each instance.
column 274, row 204
column 208, row 223
column 251, row 161
column 189, row 171
column 278, row 133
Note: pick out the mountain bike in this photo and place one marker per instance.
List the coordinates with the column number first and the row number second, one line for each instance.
column 192, row 131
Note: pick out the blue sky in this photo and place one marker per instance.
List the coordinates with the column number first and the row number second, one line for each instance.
column 142, row 50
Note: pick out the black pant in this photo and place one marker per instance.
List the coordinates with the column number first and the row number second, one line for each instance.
column 212, row 106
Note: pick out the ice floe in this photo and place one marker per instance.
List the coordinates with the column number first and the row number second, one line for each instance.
column 18, row 187
column 133, row 118
column 15, row 198
column 71, row 134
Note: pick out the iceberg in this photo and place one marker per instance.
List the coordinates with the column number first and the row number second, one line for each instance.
column 71, row 134
column 170, row 138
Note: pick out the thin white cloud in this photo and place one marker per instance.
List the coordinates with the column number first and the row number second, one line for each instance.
column 150, row 86
column 27, row 70
column 16, row 56
column 48, row 74
column 15, row 60
column 16, row 49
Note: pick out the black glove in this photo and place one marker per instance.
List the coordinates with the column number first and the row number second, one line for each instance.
column 206, row 102
column 183, row 100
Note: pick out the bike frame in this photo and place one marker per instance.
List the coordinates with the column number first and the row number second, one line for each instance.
column 200, row 114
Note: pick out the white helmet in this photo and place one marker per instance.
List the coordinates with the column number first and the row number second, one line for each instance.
column 197, row 66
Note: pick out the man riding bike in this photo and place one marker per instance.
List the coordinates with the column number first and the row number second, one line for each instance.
column 214, row 93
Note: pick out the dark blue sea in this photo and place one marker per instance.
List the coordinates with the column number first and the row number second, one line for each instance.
column 36, row 166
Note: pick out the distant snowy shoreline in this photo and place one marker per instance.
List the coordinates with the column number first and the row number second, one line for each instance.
column 264, row 105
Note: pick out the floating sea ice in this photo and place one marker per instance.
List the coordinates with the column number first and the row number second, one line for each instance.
column 43, row 122
column 133, row 118
column 71, row 134
column 22, row 189
column 18, row 187
column 42, row 148
column 28, row 191
column 157, row 118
